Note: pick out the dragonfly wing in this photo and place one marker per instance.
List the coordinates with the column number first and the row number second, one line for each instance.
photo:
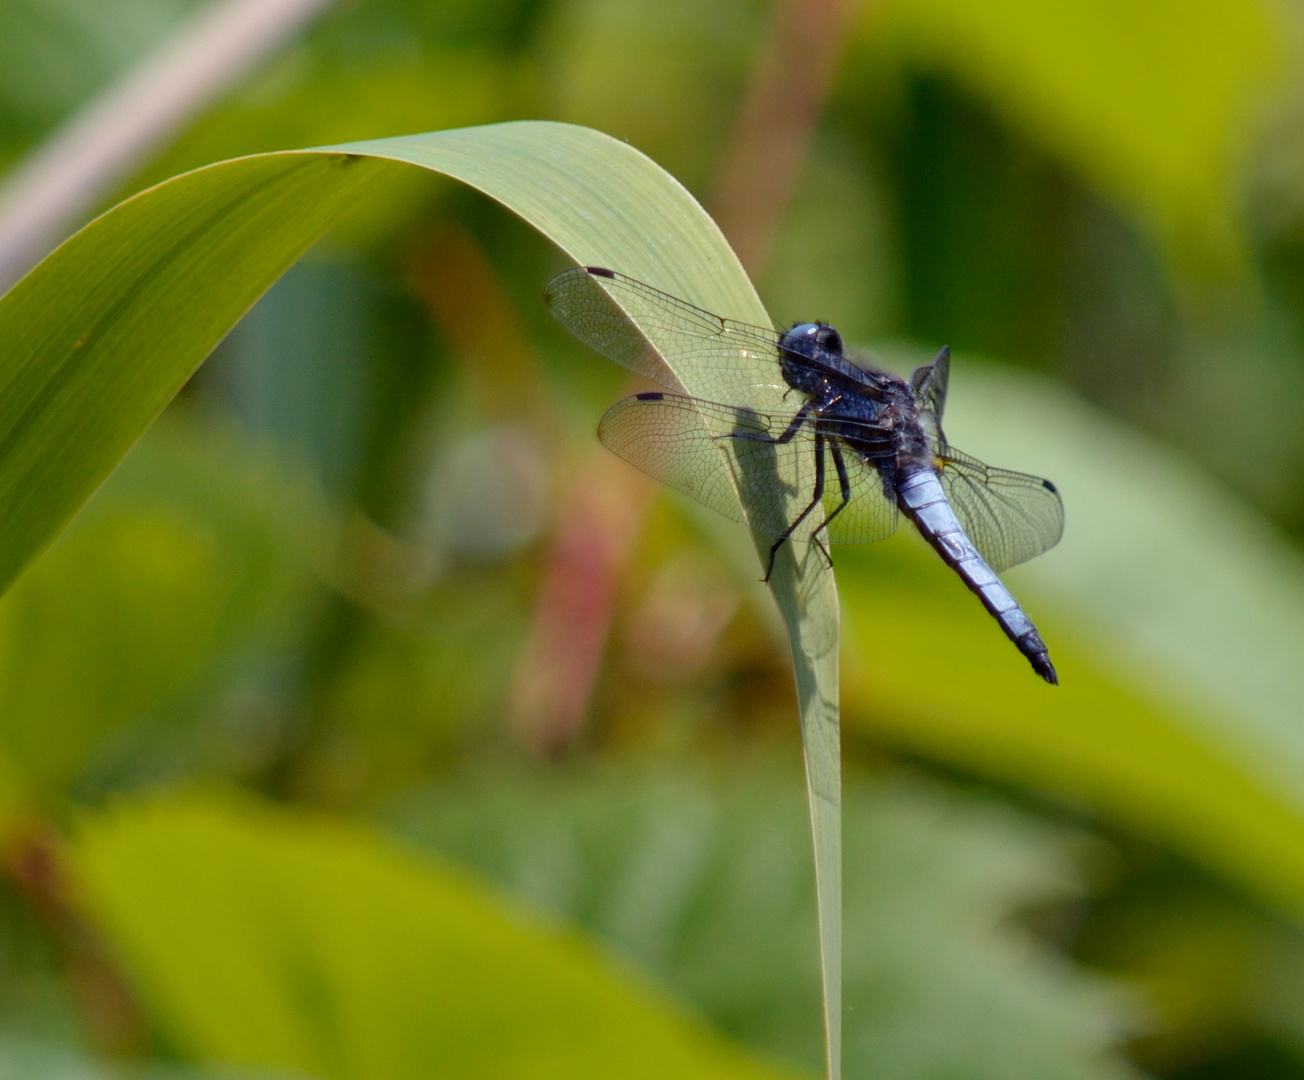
column 667, row 339
column 930, row 383
column 1011, row 517
column 870, row 515
column 725, row 458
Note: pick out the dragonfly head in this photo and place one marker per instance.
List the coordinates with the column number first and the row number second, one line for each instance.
column 802, row 349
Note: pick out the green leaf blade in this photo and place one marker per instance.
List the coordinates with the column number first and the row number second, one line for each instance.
column 102, row 335
column 109, row 327
column 279, row 940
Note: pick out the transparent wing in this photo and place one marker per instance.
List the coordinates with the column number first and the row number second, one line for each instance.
column 930, row 383
column 721, row 456
column 870, row 515
column 658, row 335
column 1009, row 516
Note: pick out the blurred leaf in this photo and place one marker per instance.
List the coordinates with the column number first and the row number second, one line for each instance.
column 1153, row 101
column 711, row 890
column 664, row 76
column 410, row 696
column 24, row 1060
column 106, row 330
column 56, row 53
column 262, row 937
column 297, row 368
column 832, row 257
column 306, row 100
column 1208, row 963
column 36, row 1000
column 193, row 557
column 1175, row 616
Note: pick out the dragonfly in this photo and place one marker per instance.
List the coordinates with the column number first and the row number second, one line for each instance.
column 804, row 442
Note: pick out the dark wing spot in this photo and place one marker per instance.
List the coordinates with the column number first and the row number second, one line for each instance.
column 1049, row 486
column 600, row 271
column 652, row 395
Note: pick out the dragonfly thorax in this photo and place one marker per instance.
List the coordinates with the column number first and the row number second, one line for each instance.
column 914, row 448
column 878, row 421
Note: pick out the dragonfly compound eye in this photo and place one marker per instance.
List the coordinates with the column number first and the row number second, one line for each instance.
column 830, row 339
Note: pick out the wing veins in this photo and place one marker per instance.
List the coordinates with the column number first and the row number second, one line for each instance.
column 684, row 442
column 1010, row 516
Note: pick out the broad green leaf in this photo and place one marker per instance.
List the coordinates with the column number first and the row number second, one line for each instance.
column 274, row 939
column 103, row 333
column 708, row 886
column 1174, row 615
column 1153, row 100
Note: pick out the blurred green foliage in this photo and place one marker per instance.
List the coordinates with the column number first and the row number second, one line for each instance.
column 300, row 583
column 319, row 947
column 1116, row 89
column 191, row 575
column 55, row 55
column 707, row 885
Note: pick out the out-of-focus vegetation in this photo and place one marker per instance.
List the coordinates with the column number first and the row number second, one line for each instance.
column 321, row 756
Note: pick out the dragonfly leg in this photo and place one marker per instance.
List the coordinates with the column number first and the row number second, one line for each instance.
column 844, row 485
column 816, row 498
column 789, row 433
column 822, row 548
